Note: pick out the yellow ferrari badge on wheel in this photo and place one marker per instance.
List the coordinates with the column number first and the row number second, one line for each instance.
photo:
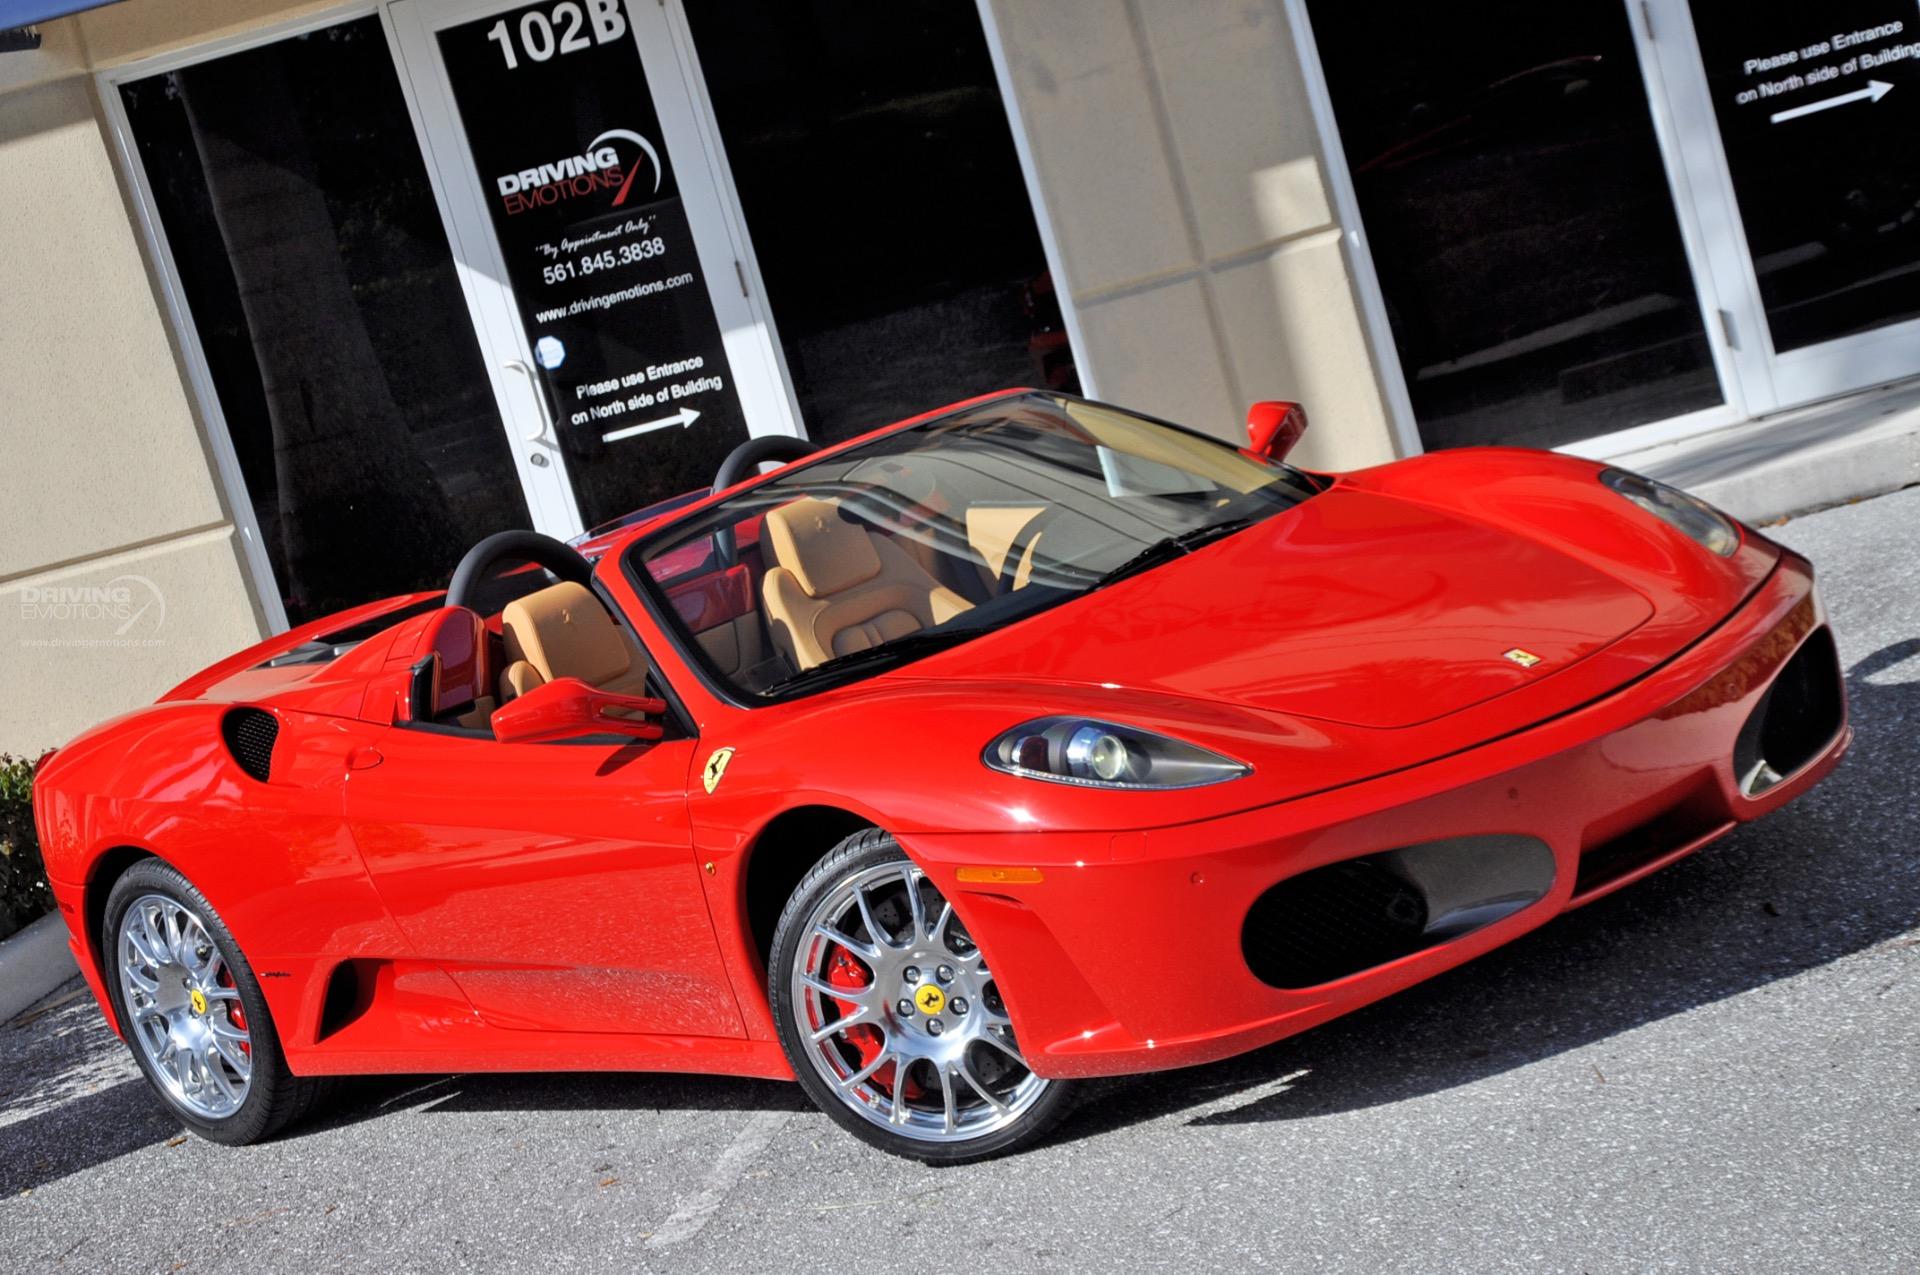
column 930, row 999
column 716, row 767
column 198, row 999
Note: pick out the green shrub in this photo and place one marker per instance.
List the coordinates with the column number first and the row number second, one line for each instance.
column 23, row 878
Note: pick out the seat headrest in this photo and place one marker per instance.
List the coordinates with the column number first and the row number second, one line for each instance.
column 459, row 637
column 564, row 631
column 825, row 552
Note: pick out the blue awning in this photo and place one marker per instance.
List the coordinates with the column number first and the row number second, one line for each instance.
column 24, row 13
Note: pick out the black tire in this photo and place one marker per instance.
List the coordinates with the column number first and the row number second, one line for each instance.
column 275, row 1097
column 857, row 854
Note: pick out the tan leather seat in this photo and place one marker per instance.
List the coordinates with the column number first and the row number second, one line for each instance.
column 564, row 631
column 998, row 533
column 836, row 588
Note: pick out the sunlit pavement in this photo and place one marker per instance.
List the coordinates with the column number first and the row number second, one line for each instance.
column 1717, row 1069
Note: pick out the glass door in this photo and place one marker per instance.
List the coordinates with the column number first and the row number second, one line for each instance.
column 596, row 248
column 1798, row 127
column 309, row 276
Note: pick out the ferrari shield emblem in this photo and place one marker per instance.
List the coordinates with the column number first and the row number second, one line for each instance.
column 931, row 1000
column 198, row 999
column 716, row 767
column 1524, row 658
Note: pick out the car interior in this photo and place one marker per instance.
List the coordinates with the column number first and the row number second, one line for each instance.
column 870, row 546
column 468, row 666
column 848, row 554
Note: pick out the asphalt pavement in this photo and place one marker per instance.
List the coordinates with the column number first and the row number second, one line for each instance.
column 1717, row 1069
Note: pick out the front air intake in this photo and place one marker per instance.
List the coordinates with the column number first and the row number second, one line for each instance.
column 1795, row 720
column 1331, row 922
column 1345, row 917
column 250, row 734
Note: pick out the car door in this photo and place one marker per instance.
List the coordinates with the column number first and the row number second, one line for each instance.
column 554, row 882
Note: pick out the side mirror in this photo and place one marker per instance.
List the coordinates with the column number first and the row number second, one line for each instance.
column 1274, row 427
column 567, row 708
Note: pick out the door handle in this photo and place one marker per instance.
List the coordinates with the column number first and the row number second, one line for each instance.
column 539, row 400
column 364, row 758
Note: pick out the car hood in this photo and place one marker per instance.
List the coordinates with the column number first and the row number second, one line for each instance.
column 1355, row 607
column 1389, row 599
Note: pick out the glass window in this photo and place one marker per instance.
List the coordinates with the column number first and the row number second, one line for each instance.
column 928, row 536
column 317, row 272
column 889, row 215
column 1519, row 217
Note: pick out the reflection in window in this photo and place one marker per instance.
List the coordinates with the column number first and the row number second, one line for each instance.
column 1519, row 217
column 889, row 215
column 318, row 276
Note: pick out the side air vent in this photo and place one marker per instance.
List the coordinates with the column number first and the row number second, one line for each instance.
column 250, row 734
column 350, row 992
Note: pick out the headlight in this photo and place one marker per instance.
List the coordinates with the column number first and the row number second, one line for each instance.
column 1095, row 754
column 1692, row 517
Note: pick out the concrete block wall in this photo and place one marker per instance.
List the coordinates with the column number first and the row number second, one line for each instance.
column 1177, row 158
column 109, row 511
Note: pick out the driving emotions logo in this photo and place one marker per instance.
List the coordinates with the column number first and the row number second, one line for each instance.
column 598, row 168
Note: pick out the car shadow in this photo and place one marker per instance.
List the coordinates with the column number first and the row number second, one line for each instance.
column 80, row 1133
column 1835, row 873
column 360, row 1098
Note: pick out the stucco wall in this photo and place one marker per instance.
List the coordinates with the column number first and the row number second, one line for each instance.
column 142, row 28
column 1177, row 157
column 107, row 501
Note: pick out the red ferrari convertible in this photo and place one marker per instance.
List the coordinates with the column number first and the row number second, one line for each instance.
column 1029, row 741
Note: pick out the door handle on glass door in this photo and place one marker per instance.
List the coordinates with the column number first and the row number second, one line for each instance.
column 539, row 400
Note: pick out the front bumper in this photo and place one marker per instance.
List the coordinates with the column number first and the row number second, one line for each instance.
column 1126, row 956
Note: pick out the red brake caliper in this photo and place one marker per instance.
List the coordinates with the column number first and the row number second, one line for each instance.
column 866, row 1039
column 235, row 1014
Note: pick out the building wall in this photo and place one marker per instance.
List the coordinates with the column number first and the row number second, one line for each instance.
column 109, row 502
column 1177, row 158
column 1173, row 149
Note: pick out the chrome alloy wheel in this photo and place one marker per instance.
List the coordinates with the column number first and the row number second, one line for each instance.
column 184, row 1012
column 901, row 1015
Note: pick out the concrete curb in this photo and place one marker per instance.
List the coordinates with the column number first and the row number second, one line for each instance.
column 1801, row 462
column 1790, row 486
column 33, row 963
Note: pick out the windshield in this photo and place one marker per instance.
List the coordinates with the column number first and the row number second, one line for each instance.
column 840, row 568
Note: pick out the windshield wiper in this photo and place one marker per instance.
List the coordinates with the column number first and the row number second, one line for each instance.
column 1162, row 551
column 888, row 654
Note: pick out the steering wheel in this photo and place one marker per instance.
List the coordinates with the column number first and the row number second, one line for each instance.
column 515, row 546
column 746, row 459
